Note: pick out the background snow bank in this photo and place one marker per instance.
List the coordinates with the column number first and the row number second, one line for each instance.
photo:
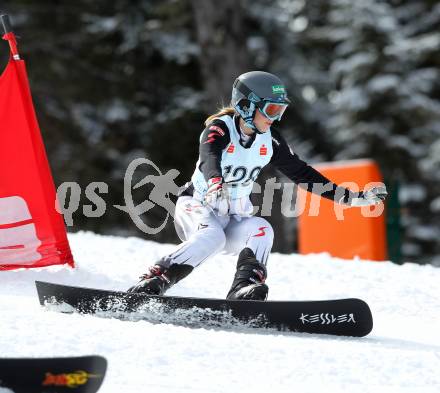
column 402, row 354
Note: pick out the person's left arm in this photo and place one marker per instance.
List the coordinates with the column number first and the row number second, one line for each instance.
column 301, row 173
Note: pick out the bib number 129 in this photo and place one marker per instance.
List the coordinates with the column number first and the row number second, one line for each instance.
column 240, row 175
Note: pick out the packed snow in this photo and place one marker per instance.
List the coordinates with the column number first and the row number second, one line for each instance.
column 402, row 354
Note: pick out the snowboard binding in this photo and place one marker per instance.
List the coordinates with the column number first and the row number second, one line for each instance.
column 249, row 278
column 159, row 279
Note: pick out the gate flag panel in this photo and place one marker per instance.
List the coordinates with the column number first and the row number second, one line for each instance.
column 32, row 232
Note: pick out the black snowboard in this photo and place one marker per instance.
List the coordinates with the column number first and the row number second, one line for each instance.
column 52, row 375
column 344, row 317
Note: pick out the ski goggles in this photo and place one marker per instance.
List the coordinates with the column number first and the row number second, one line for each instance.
column 272, row 110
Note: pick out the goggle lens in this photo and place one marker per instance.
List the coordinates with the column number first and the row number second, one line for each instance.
column 274, row 111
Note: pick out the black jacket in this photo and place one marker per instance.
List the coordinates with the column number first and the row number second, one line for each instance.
column 287, row 162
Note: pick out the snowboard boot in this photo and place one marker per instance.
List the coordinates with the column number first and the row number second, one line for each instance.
column 249, row 278
column 159, row 279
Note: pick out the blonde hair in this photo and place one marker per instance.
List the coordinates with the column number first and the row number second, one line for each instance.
column 226, row 110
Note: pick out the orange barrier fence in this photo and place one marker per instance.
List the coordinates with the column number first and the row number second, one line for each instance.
column 344, row 232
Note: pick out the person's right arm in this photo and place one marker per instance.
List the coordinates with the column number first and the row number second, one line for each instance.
column 215, row 137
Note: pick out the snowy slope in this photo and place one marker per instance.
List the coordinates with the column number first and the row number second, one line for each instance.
column 402, row 354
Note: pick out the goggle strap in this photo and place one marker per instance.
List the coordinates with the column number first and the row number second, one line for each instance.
column 242, row 88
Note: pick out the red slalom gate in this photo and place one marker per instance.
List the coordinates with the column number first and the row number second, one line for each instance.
column 32, row 232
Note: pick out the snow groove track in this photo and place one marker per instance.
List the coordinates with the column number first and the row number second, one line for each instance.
column 402, row 354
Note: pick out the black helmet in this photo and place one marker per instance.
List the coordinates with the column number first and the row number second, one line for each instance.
column 259, row 89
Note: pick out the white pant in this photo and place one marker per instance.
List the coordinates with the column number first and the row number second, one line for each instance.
column 205, row 234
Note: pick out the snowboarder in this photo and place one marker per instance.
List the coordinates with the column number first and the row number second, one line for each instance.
column 214, row 213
